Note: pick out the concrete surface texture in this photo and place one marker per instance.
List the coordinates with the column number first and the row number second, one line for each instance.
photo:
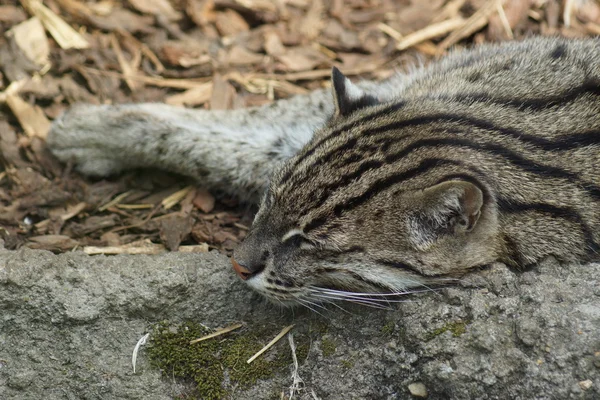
column 69, row 324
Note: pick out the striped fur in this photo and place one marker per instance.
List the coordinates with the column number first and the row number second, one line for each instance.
column 491, row 154
column 519, row 122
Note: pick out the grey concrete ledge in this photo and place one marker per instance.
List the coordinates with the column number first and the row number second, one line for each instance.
column 69, row 324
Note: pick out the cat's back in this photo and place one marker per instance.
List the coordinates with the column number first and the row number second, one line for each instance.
column 540, row 67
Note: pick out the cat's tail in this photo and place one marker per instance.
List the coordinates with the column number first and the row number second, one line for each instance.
column 231, row 151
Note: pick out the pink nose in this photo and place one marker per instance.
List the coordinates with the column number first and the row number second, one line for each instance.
column 240, row 270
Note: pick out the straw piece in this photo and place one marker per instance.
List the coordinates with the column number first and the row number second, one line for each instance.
column 63, row 33
column 175, row 198
column 115, row 201
column 128, row 70
column 430, row 32
column 160, row 82
column 219, row 332
column 271, row 343
column 471, row 25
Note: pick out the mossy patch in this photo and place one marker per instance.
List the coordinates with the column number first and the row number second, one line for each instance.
column 204, row 363
column 347, row 364
column 456, row 327
column 388, row 328
column 328, row 347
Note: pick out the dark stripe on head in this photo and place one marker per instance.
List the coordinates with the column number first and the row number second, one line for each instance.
column 567, row 213
column 563, row 142
column 590, row 86
column 523, row 104
column 399, row 265
column 337, row 131
column 379, row 186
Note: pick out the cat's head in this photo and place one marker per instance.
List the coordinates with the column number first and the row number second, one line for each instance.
column 344, row 216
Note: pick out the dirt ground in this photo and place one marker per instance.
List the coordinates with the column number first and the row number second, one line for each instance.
column 200, row 53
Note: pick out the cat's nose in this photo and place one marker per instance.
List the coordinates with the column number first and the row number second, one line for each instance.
column 242, row 271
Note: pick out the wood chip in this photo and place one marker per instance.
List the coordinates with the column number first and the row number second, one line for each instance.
column 192, row 97
column 222, row 95
column 12, row 14
column 156, row 7
column 31, row 117
column 31, row 39
column 271, row 343
column 217, row 333
column 174, row 228
column 230, row 23
column 195, row 248
column 204, row 200
column 139, row 247
column 57, row 243
column 63, row 33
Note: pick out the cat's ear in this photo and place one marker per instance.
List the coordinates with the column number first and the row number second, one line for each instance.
column 347, row 96
column 448, row 208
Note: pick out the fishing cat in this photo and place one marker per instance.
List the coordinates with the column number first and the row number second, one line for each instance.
column 491, row 154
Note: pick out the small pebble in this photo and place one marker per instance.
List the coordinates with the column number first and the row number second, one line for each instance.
column 585, row 385
column 418, row 390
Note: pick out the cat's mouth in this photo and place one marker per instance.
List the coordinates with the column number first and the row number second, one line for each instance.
column 318, row 296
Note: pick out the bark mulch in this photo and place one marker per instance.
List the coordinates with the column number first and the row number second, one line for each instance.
column 214, row 54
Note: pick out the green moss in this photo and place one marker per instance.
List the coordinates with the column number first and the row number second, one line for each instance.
column 302, row 352
column 204, row 363
column 388, row 328
column 457, row 328
column 328, row 346
column 170, row 350
column 347, row 364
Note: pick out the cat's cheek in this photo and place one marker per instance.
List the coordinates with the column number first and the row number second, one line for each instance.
column 257, row 283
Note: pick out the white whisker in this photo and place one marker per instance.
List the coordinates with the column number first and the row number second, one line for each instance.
column 301, row 302
column 353, row 300
column 366, row 294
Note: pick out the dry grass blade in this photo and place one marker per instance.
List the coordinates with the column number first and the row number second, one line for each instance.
column 450, row 10
column 271, row 343
column 70, row 213
column 568, row 12
column 136, row 349
column 297, row 381
column 430, row 32
column 391, row 32
column 504, row 20
column 63, row 33
column 13, row 89
column 115, row 201
column 160, row 82
column 471, row 25
column 175, row 198
column 317, row 73
column 135, row 206
column 128, row 70
column 219, row 332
